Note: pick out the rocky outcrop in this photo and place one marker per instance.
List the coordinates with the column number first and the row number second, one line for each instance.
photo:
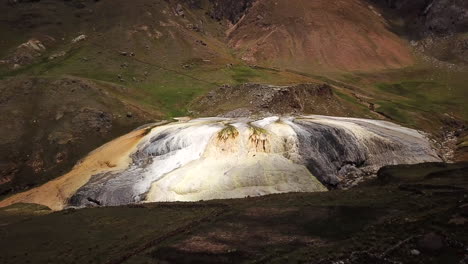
column 26, row 53
column 446, row 16
column 233, row 10
column 437, row 28
column 252, row 98
column 79, row 38
column 440, row 17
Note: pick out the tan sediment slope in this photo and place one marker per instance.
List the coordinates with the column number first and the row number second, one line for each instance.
column 113, row 156
column 321, row 34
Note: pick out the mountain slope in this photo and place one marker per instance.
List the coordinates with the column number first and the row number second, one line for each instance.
column 313, row 35
column 435, row 27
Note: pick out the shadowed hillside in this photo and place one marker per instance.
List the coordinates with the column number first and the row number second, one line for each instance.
column 412, row 214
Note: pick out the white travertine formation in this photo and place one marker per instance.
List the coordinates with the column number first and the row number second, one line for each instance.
column 220, row 158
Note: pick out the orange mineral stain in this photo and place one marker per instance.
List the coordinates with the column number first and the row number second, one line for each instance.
column 113, row 156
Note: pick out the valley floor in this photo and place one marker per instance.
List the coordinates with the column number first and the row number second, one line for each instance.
column 410, row 214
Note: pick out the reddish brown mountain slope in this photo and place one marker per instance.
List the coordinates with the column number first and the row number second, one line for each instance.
column 319, row 34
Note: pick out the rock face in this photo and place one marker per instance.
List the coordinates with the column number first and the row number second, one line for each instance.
column 444, row 17
column 437, row 28
column 220, row 158
column 440, row 17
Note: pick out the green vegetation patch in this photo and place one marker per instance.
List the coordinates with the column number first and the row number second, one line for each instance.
column 257, row 131
column 463, row 142
column 228, row 132
column 409, row 88
column 258, row 136
column 243, row 74
column 396, row 112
